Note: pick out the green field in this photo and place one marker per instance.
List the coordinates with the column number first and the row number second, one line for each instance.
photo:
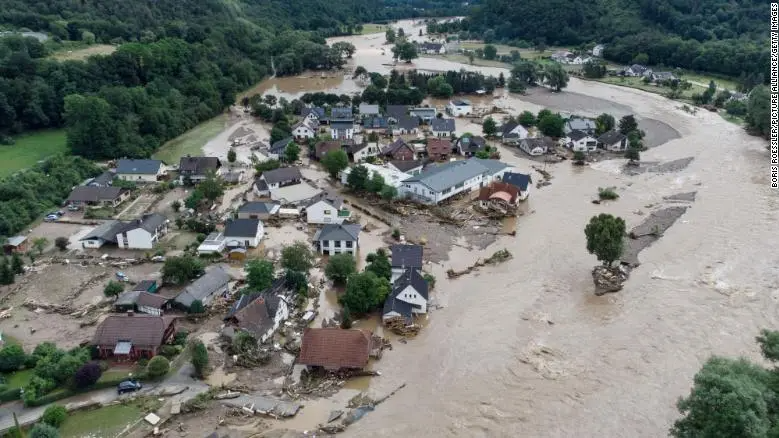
column 19, row 379
column 103, row 422
column 639, row 84
column 31, row 148
column 476, row 61
column 192, row 141
column 373, row 28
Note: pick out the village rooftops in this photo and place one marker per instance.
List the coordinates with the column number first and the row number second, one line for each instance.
column 442, row 125
column 367, row 109
column 581, row 124
column 438, row 146
column 447, row 175
column 406, row 256
column 318, row 112
column 518, row 180
column 341, row 113
column 397, row 111
column 198, row 165
column 611, row 137
column 577, row 135
column 335, row 348
column 338, row 232
column 406, row 165
column 408, row 123
column 203, row 287
column 241, row 227
column 375, row 123
column 282, row 174
column 138, row 167
column 140, row 330
column 140, row 298
column 259, row 207
column 279, row 146
column 94, row 194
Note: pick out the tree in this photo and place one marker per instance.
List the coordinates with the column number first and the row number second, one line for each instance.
column 527, row 119
column 61, row 243
column 196, row 307
column 199, row 358
column 490, row 52
column 344, row 48
column 358, row 178
column 212, row 187
column 438, row 87
column 278, row 134
column 259, row 274
column 43, row 430
column 489, row 127
column 12, row 357
column 605, row 235
column 604, row 123
column 40, row 244
column 297, row 257
column 376, row 184
column 551, row 124
column 7, row 275
column 389, row 35
column 758, row 118
column 292, row 152
column 360, row 70
column 628, row 124
column 526, row 72
column 340, row 267
column 471, row 57
column 389, row 193
column 231, row 156
column 405, row 51
column 364, row 292
column 379, row 264
column 579, row 157
column 176, row 205
column 641, row 58
column 334, row 162
column 270, row 99
column 181, row 269
column 55, row 415
column 401, row 33
column 87, row 375
column 594, row 69
column 158, row 366
column 17, row 264
column 633, row 154
column 113, row 289
column 556, row 76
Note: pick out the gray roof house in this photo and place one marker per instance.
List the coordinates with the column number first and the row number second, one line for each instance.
column 341, row 113
column 409, row 296
column 580, row 124
column 405, row 257
column 139, row 170
column 137, row 234
column 198, row 168
column 407, row 124
column 282, row 176
column 338, row 238
column 441, row 182
column 442, row 127
column 425, row 113
column 97, row 195
column 243, row 233
column 213, row 283
column 367, row 109
column 470, row 145
column 258, row 210
column 613, row 141
column 103, row 180
column 280, row 146
column 397, row 111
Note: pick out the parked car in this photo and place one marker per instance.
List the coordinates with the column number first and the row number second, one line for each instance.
column 128, row 386
column 51, row 218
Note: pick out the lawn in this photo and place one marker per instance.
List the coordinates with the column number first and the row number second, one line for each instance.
column 730, row 84
column 116, row 374
column 83, row 52
column 107, row 421
column 373, row 28
column 31, row 148
column 192, row 141
column 19, row 379
column 476, row 61
column 639, row 84
column 505, row 50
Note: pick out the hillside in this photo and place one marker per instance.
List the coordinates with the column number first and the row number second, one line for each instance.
column 720, row 36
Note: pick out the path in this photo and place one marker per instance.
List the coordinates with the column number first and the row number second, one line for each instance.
column 138, row 207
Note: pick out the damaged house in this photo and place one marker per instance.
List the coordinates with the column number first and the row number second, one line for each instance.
column 260, row 314
column 213, row 283
column 499, row 198
column 408, row 298
column 334, row 349
column 130, row 337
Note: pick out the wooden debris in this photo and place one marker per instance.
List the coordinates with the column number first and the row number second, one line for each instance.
column 499, row 257
column 399, row 326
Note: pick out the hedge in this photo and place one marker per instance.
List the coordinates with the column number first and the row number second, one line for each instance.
column 10, row 395
column 59, row 394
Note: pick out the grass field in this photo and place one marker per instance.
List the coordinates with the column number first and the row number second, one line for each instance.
column 476, row 61
column 103, row 422
column 19, row 379
column 730, row 84
column 505, row 50
column 29, row 149
column 81, row 53
column 192, row 141
column 639, row 84
column 373, row 28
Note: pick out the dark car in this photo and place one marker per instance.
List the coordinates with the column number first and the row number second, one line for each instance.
column 129, row 386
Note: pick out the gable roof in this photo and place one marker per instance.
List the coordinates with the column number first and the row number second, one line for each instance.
column 141, row 330
column 281, row 145
column 329, row 197
column 542, row 142
column 403, row 308
column 395, row 146
column 104, row 179
column 406, row 165
column 304, row 123
column 138, row 167
column 508, row 128
column 281, row 174
column 341, row 113
column 241, row 227
column 94, row 194
column 461, row 102
column 413, row 278
column 423, row 110
column 341, row 125
column 335, row 348
column 324, row 147
column 438, row 146
column 318, row 111
column 375, row 123
column 344, row 232
column 471, row 143
column 442, row 125
column 500, row 190
column 638, row 68
column 577, row 135
column 214, row 278
column 446, row 175
column 581, row 124
column 199, row 165
column 611, row 137
column 397, row 111
column 518, row 180
column 406, row 256
column 368, row 109
column 408, row 122
column 149, row 222
column 259, row 207
column 106, row 231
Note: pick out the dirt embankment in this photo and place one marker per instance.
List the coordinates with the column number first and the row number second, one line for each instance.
column 652, row 228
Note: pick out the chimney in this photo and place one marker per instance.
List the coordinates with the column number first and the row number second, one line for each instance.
column 130, row 313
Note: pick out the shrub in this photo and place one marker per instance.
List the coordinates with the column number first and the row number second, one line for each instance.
column 199, row 358
column 607, row 194
column 180, row 338
column 43, row 430
column 55, row 415
column 430, row 279
column 61, row 243
column 113, row 289
column 169, row 351
column 12, row 357
column 197, row 307
column 87, row 375
column 396, row 234
column 158, row 367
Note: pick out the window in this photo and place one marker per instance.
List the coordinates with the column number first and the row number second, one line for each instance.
column 349, row 243
column 325, row 243
column 337, row 243
column 459, row 186
column 327, row 212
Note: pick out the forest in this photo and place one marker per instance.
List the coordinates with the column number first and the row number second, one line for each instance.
column 717, row 36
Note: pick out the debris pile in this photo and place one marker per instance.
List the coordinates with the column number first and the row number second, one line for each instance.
column 608, row 279
column 499, row 257
column 399, row 326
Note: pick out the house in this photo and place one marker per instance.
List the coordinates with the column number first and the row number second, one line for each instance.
column 441, row 182
column 335, row 349
column 196, row 169
column 214, row 243
column 278, row 148
column 243, row 233
column 139, row 171
column 439, row 149
column 395, row 112
column 327, row 210
column 598, row 50
column 442, row 127
column 341, row 114
column 14, row 244
column 399, row 150
column 131, row 336
column 233, row 176
column 338, row 238
column 305, row 129
column 580, row 124
column 636, row 70
column 519, row 180
column 105, row 179
column 258, row 210
column 259, row 314
column 499, row 197
column 141, row 233
column 537, row 146
column 405, row 257
column 663, row 77
column 392, row 176
column 314, row 115
column 613, row 141
column 406, row 125
column 341, row 130
column 513, row 133
column 432, row 48
column 323, row 147
column 408, row 167
column 576, row 59
column 426, row 114
column 580, row 141
column 375, row 124
column 362, row 151
column 368, row 110
column 97, row 196
column 281, row 177
column 141, row 302
column 408, row 297
column 468, row 145
column 459, row 107
column 213, row 283
column 561, row 56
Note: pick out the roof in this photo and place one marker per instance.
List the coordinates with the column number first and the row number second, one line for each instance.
column 442, row 125
column 254, row 316
column 281, row 174
column 259, row 207
column 343, row 232
column 341, row 113
column 395, row 146
column 438, row 146
column 581, row 124
column 149, row 222
column 375, row 123
column 142, row 330
column 501, row 190
column 406, row 256
column 577, row 135
column 205, row 286
column 106, row 231
column 94, row 194
column 397, row 111
column 471, row 143
column 15, row 240
column 543, row 142
column 638, row 68
column 431, row 46
column 367, row 108
column 318, row 111
column 519, row 180
column 138, row 167
column 413, row 278
column 279, row 146
column 104, row 179
column 324, row 147
column 424, row 110
column 276, row 287
column 341, row 125
column 141, row 298
column 408, row 122
column 335, row 348
column 406, row 165
column 404, row 309
column 508, row 127
column 304, row 123
column 260, row 184
column 199, row 165
column 664, row 75
column 241, row 227
column 144, row 285
column 446, row 175
column 611, row 137
column 461, row 102
column 327, row 196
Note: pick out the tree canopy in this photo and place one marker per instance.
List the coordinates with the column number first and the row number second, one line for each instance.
column 364, row 292
column 259, row 274
column 340, row 267
column 605, row 234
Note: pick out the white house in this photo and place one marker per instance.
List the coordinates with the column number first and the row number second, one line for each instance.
column 581, row 124
column 614, row 141
column 637, row 70
column 315, row 115
column 408, row 167
column 142, row 233
column 342, row 130
column 536, row 146
column 243, row 233
column 521, row 181
column 404, row 257
column 513, row 133
column 432, row 48
column 215, row 282
column 598, row 50
column 392, row 176
column 363, row 151
column 442, row 127
column 304, row 130
column 327, row 210
column 259, row 314
column 426, row 114
column 408, row 297
column 580, row 141
column 277, row 178
column 441, row 182
column 139, row 171
column 338, row 238
column 214, row 244
column 460, row 107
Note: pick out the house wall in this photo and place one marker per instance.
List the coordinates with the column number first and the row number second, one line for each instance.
column 585, row 144
column 618, row 146
column 323, row 213
column 150, row 310
column 337, row 247
column 423, row 193
column 303, row 132
column 348, row 134
column 410, row 295
column 403, row 154
column 92, row 243
column 442, row 133
column 253, row 241
column 246, row 215
column 369, row 151
column 457, row 111
column 136, row 239
column 137, row 178
column 282, row 314
column 535, row 152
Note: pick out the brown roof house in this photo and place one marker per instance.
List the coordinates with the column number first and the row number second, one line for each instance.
column 132, row 336
column 259, row 314
column 439, row 149
column 335, row 349
column 399, row 150
column 499, row 197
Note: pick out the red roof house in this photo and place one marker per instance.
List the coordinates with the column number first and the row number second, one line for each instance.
column 334, row 348
column 439, row 149
column 132, row 336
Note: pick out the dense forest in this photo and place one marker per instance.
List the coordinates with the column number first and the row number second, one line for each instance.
column 728, row 37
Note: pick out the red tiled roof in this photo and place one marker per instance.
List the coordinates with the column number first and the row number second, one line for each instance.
column 141, row 330
column 334, row 348
column 499, row 190
column 324, row 147
column 437, row 146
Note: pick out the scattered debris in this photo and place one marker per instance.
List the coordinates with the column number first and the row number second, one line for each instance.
column 256, row 404
column 608, row 279
column 499, row 257
column 334, row 415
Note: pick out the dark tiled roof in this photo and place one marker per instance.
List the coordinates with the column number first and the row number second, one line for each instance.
column 406, row 256
column 413, row 278
column 94, row 194
column 144, row 285
column 471, row 144
column 399, row 306
column 518, row 180
column 260, row 184
column 138, row 167
column 214, row 278
column 341, row 125
column 318, row 111
column 442, row 125
column 375, row 123
column 199, row 165
column 343, row 232
column 397, row 111
column 141, row 330
column 408, row 122
column 611, row 137
column 437, row 146
column 258, row 207
column 395, row 146
column 577, row 135
column 281, row 145
column 368, row 109
column 241, row 227
column 278, row 286
column 282, row 174
column 341, row 113
column 406, row 165
column 508, row 127
column 106, row 231
column 335, row 348
column 151, row 300
column 104, row 179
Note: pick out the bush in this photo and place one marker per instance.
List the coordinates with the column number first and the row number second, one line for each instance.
column 12, row 357
column 169, row 351
column 199, row 358
column 10, row 395
column 55, row 415
column 197, row 307
column 43, row 430
column 607, row 194
column 158, row 367
column 87, row 375
column 396, row 234
column 180, row 338
column 61, row 243
column 340, row 267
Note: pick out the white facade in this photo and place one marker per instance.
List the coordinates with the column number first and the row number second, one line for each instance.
column 94, row 243
column 443, row 134
column 411, row 296
column 370, row 150
column 303, row 131
column 150, row 310
column 139, row 238
column 213, row 244
column 598, row 50
column 338, row 247
column 533, row 150
column 342, row 134
column 586, row 144
column 246, row 241
column 311, row 119
column 323, row 212
column 458, row 109
column 282, row 314
column 419, row 191
column 618, row 146
column 392, row 176
column 139, row 178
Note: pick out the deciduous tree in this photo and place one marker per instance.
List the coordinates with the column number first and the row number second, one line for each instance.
column 199, row 358
column 259, row 274
column 113, row 289
column 297, row 257
column 358, row 178
column 334, row 162
column 340, row 267
column 605, row 235
column 181, row 269
column 489, row 127
column 364, row 292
